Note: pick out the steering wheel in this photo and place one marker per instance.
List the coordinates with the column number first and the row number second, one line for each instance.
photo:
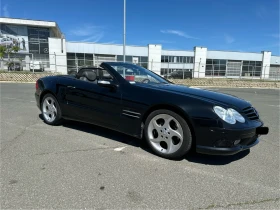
column 146, row 80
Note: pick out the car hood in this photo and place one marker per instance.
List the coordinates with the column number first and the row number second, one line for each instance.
column 222, row 98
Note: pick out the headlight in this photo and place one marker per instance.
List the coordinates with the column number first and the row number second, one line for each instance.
column 228, row 115
column 237, row 116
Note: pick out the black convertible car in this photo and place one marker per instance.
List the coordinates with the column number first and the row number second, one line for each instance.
column 135, row 101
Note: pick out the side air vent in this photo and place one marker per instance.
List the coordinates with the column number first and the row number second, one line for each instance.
column 251, row 113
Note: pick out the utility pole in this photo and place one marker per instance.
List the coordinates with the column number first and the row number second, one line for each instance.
column 124, row 27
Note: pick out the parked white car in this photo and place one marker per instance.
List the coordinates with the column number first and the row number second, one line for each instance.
column 37, row 66
column 6, row 42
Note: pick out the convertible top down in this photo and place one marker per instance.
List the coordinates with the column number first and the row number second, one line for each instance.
column 133, row 100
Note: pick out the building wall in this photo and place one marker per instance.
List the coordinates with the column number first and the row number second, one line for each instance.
column 32, row 39
column 108, row 49
column 266, row 64
column 200, row 54
column 177, row 53
column 154, row 58
column 57, row 55
column 154, row 53
column 275, row 60
column 234, row 55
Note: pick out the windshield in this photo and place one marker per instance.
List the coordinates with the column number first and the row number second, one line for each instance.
column 137, row 74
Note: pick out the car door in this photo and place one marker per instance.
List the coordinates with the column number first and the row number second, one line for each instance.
column 87, row 101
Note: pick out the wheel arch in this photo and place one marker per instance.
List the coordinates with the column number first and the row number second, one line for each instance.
column 45, row 92
column 175, row 109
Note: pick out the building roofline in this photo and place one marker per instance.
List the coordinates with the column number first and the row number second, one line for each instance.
column 105, row 43
column 177, row 50
column 233, row 51
column 28, row 19
column 54, row 24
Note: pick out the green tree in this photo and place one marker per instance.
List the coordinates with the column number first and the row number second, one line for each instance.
column 12, row 50
column 3, row 51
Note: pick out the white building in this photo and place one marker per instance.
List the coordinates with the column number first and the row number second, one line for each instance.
column 42, row 41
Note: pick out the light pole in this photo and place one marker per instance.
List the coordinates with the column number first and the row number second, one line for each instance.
column 124, row 28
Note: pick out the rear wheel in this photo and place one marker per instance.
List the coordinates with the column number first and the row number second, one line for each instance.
column 51, row 110
column 168, row 134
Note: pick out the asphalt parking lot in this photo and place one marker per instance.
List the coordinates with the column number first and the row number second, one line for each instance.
column 76, row 165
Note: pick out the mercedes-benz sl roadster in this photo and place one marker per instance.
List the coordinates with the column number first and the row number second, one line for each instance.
column 136, row 101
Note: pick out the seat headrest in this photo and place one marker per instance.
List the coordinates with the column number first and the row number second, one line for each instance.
column 90, row 75
column 100, row 73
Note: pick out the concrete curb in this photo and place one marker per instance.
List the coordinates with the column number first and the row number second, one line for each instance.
column 17, row 82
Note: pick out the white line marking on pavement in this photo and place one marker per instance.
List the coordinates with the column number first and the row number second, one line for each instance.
column 274, row 105
column 10, row 98
column 119, row 149
column 19, row 99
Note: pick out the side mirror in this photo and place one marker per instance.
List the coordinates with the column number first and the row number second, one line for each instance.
column 105, row 83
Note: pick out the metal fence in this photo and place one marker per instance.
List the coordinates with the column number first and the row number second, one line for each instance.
column 60, row 63
column 26, row 62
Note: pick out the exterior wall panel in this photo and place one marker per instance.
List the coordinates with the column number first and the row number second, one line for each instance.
column 275, row 60
column 177, row 53
column 57, row 55
column 108, row 49
column 234, row 55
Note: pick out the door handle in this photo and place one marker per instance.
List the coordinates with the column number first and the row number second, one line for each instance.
column 72, row 87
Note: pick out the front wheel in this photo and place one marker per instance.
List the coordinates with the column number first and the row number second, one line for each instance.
column 168, row 134
column 51, row 110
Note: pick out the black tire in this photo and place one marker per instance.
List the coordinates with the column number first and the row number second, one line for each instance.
column 187, row 136
column 58, row 119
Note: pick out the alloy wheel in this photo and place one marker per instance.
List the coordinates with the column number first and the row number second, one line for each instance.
column 49, row 109
column 165, row 133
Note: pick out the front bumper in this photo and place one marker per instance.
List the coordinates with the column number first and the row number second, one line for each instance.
column 224, row 142
column 224, row 151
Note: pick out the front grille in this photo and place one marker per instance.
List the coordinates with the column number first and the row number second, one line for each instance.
column 251, row 113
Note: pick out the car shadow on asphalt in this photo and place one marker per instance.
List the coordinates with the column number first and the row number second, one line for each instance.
column 102, row 132
column 132, row 141
column 215, row 159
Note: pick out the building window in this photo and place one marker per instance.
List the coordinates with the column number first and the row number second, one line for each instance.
column 164, row 58
column 190, row 59
column 251, row 68
column 176, row 73
column 215, row 67
column 142, row 60
column 274, row 71
column 176, row 59
column 119, row 57
column 77, row 60
column 38, row 40
column 88, row 59
column 43, row 59
column 71, row 63
column 128, row 58
column 80, row 56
